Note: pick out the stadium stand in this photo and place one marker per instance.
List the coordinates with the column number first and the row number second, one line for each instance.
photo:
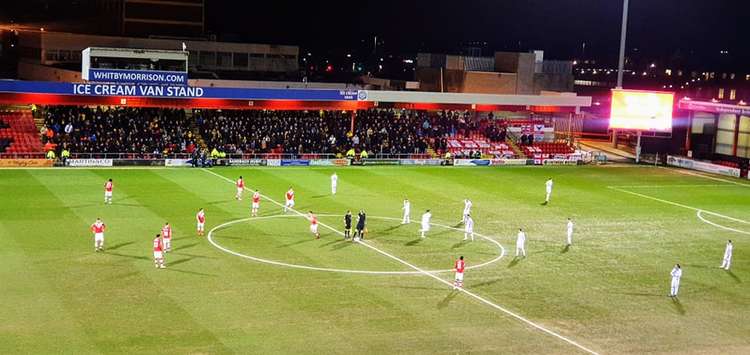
column 18, row 134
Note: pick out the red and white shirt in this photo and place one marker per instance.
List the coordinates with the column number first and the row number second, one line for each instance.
column 240, row 183
column 460, row 266
column 201, row 217
column 313, row 220
column 256, row 198
column 98, row 227
column 108, row 186
column 290, row 195
column 158, row 246
column 166, row 232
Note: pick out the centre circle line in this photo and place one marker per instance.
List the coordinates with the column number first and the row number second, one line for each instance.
column 348, row 271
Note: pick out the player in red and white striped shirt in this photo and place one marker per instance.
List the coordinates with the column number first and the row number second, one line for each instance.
column 166, row 235
column 459, row 269
column 313, row 224
column 240, row 188
column 289, row 198
column 98, row 229
column 158, row 253
column 108, row 187
column 200, row 218
column 256, row 203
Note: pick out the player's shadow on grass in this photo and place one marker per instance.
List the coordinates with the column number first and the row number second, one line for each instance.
column 486, row 283
column 447, row 300
column 414, row 242
column 565, row 249
column 320, row 196
column 190, row 272
column 678, row 306
column 181, row 261
column 733, row 276
column 514, row 262
column 459, row 244
column 295, row 243
column 186, row 246
column 392, row 228
column 118, row 246
column 139, row 257
column 342, row 244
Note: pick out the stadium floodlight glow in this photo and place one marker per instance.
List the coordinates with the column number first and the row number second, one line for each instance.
column 642, row 110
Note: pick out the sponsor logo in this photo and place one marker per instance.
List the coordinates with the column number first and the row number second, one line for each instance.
column 421, row 161
column 471, row 162
column 247, row 162
column 89, row 162
column 295, row 162
column 273, row 162
column 329, row 162
column 380, row 162
column 559, row 162
column 176, row 162
column 504, row 162
column 25, row 163
column 362, row 95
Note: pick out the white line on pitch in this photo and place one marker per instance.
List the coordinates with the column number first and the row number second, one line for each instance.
column 666, row 186
column 315, row 268
column 700, row 216
column 465, row 291
column 680, row 205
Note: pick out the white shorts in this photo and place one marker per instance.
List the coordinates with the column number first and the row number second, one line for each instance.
column 158, row 255
column 459, row 276
column 99, row 237
column 239, row 190
column 167, row 240
column 200, row 225
column 314, row 228
column 107, row 193
column 469, row 231
column 425, row 227
column 290, row 203
column 256, row 205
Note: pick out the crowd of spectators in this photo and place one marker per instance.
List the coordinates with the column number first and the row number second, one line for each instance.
column 153, row 131
column 159, row 131
column 264, row 131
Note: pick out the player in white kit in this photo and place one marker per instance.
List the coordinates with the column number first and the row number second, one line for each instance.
column 334, row 183
column 200, row 219
column 166, row 236
column 289, row 200
column 158, row 253
column 468, row 227
column 467, row 210
column 570, row 232
column 548, row 187
column 407, row 212
column 98, row 229
column 256, row 204
column 676, row 275
column 425, row 223
column 521, row 243
column 727, row 261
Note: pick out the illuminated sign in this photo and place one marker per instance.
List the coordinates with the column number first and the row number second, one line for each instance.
column 641, row 110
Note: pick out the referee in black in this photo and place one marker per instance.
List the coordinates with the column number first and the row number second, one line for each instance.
column 347, row 225
column 361, row 217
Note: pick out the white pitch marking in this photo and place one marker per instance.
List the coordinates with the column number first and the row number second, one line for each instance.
column 680, row 205
column 305, row 267
column 666, row 186
column 699, row 214
column 463, row 290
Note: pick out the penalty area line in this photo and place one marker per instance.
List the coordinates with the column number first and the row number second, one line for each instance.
column 437, row 278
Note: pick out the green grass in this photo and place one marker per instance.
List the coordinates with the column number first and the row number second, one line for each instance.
column 608, row 292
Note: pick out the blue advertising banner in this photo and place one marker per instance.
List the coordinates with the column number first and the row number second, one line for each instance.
column 138, row 76
column 295, row 162
column 173, row 91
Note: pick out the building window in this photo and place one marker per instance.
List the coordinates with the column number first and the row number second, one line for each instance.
column 223, row 59
column 257, row 55
column 50, row 55
column 240, row 60
column 721, row 93
column 733, row 94
column 208, row 58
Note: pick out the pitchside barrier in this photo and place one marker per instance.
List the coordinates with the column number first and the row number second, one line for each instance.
column 687, row 163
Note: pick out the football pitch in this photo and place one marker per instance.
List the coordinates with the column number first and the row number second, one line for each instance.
column 265, row 285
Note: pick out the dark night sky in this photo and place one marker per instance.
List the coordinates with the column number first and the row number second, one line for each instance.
column 657, row 27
